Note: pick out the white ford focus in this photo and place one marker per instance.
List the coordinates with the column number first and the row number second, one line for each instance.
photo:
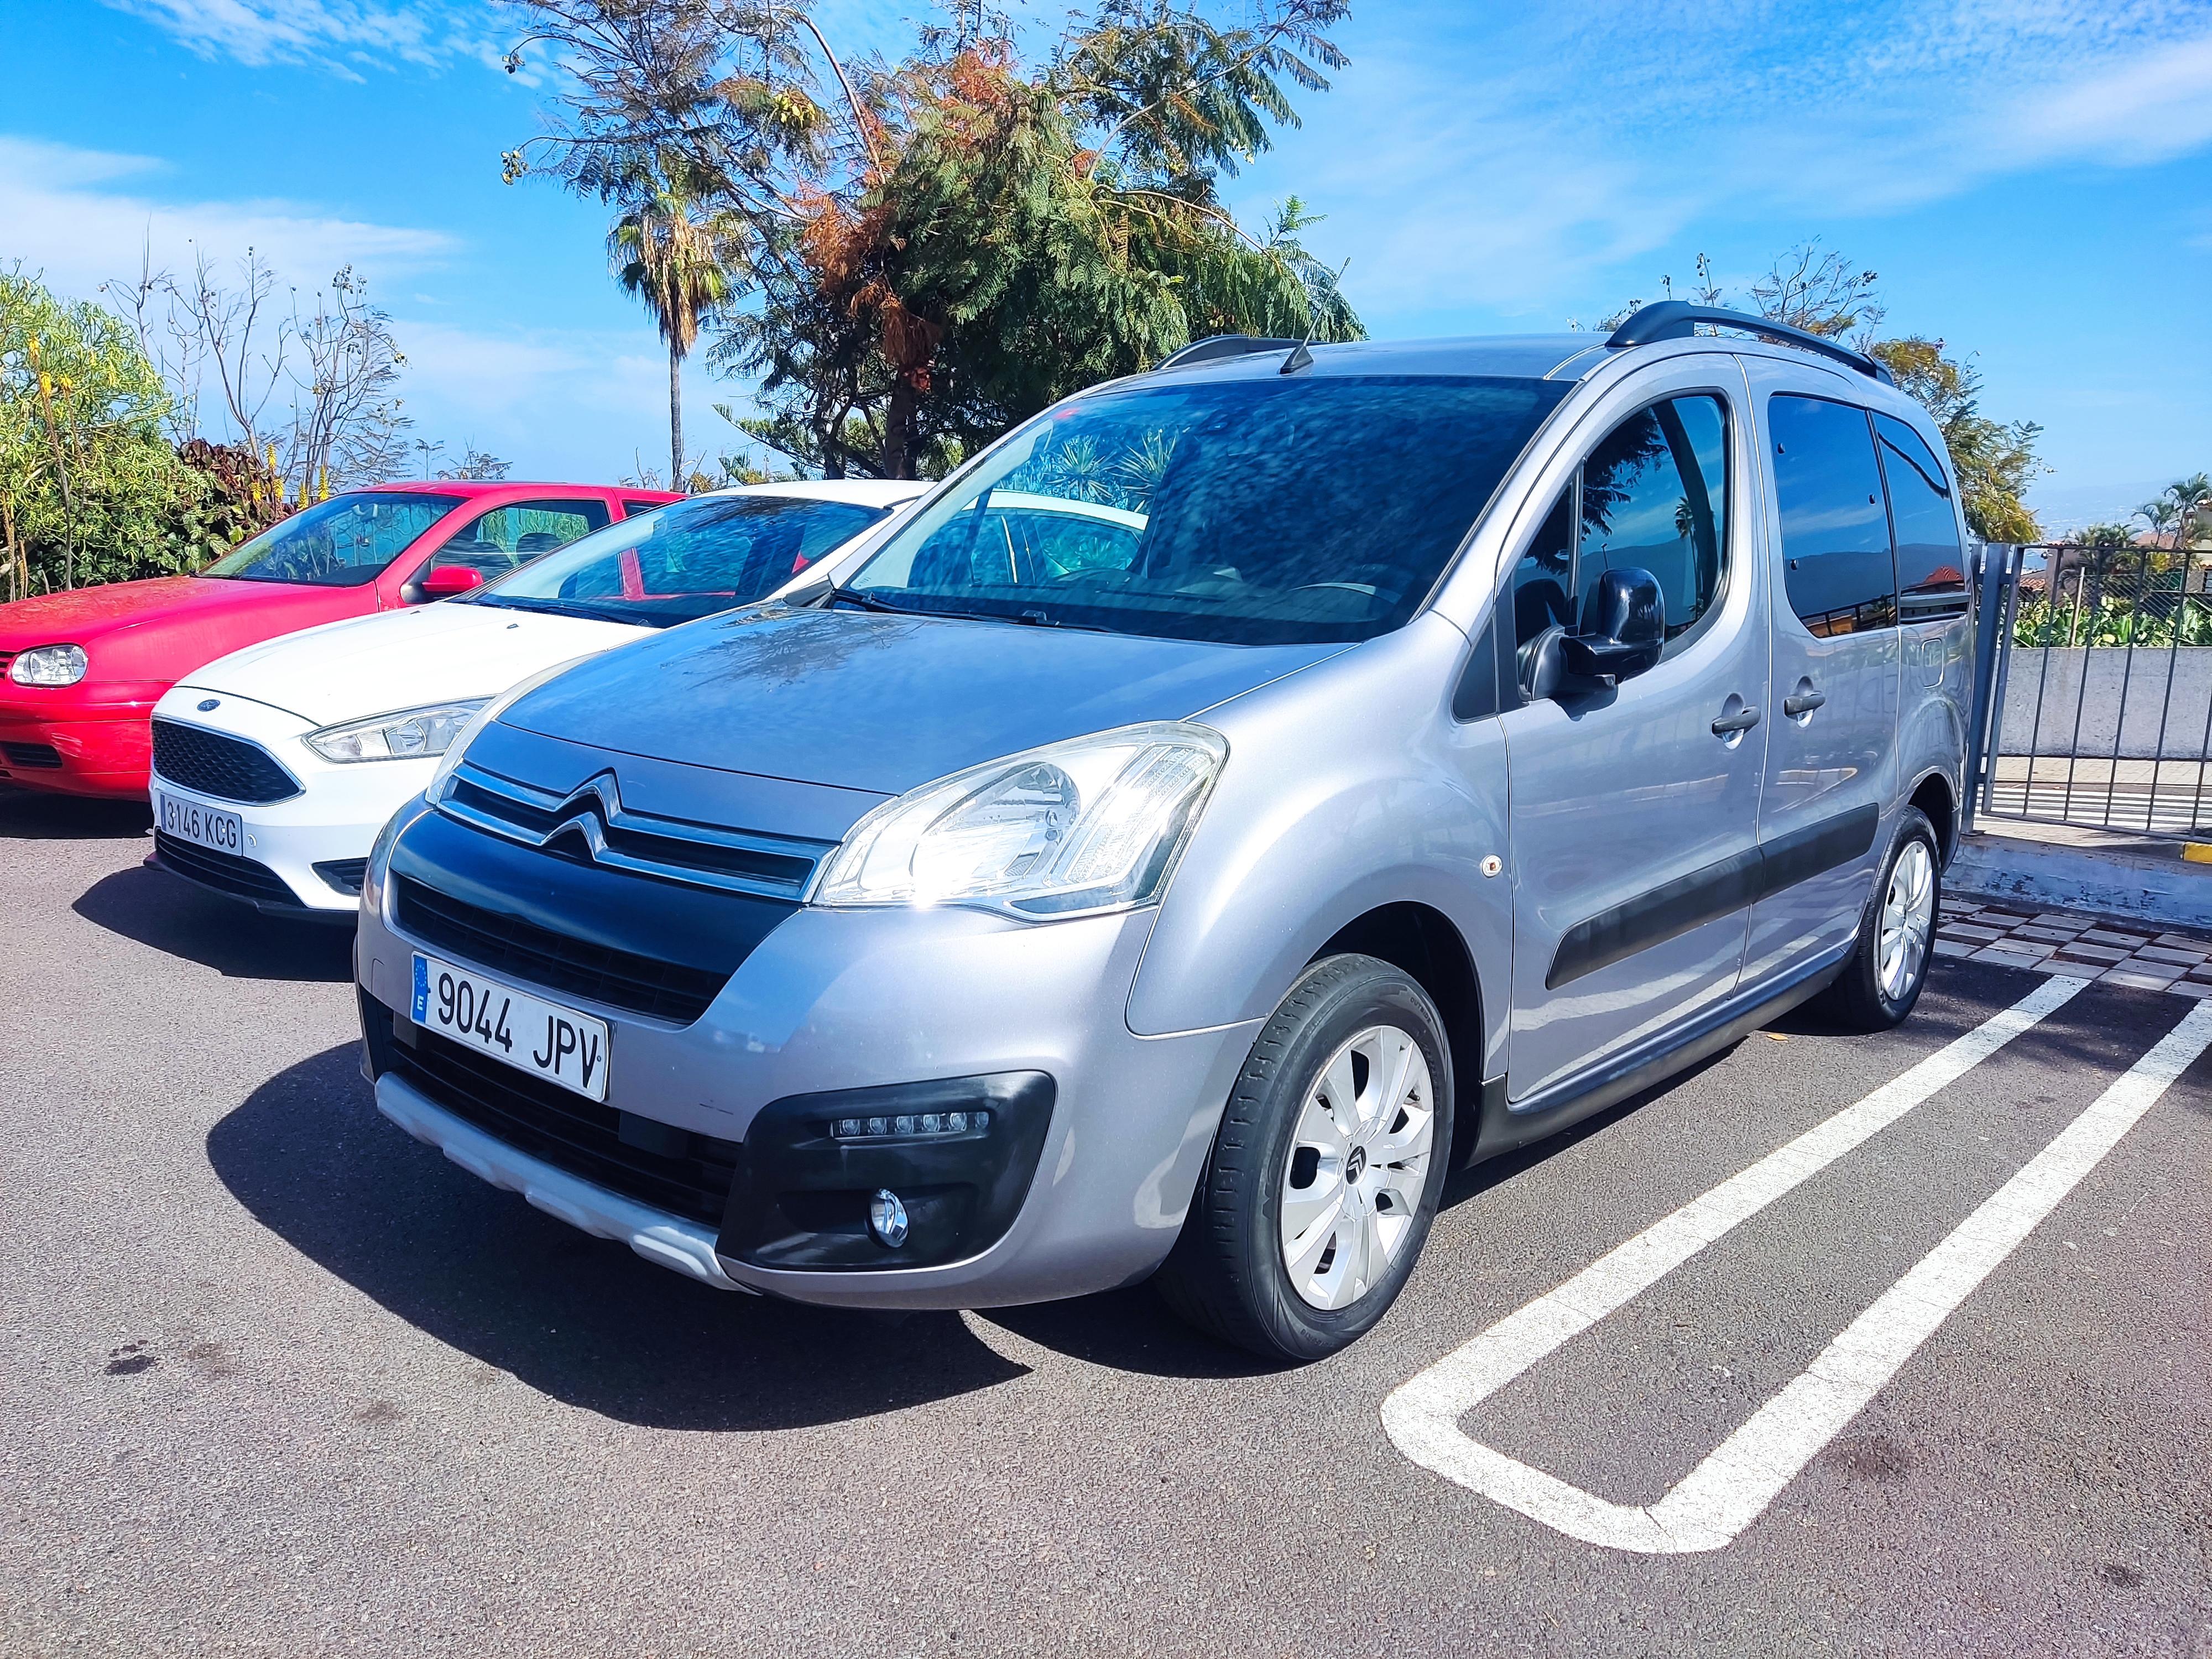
column 275, row 767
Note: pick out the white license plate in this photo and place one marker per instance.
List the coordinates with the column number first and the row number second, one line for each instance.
column 203, row 826
column 528, row 1032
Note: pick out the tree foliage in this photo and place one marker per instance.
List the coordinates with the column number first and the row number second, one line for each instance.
column 684, row 263
column 929, row 251
column 311, row 393
column 2181, row 515
column 91, row 489
column 1996, row 461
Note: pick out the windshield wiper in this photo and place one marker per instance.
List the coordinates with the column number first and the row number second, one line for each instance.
column 1025, row 619
column 547, row 607
column 869, row 601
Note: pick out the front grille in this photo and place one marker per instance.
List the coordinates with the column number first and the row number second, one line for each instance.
column 568, row 1131
column 224, row 872
column 559, row 962
column 31, row 755
column 343, row 875
column 226, row 768
column 591, row 824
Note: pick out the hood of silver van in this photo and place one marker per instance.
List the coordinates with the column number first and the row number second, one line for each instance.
column 862, row 701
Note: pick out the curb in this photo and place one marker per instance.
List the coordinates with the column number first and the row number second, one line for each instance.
column 2042, row 876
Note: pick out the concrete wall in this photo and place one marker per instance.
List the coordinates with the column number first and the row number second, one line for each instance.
column 2057, row 674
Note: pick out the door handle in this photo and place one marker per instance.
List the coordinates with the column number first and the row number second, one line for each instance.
column 1740, row 720
column 1803, row 704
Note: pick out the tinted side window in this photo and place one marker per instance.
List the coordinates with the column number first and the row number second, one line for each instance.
column 509, row 536
column 1654, row 494
column 1835, row 532
column 1545, row 574
column 1931, row 565
column 1655, row 497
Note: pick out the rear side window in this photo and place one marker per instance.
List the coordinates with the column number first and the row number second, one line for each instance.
column 1835, row 530
column 508, row 538
column 1931, row 565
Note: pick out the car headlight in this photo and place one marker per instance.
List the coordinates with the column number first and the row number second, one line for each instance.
column 458, row 745
column 48, row 665
column 1072, row 829
column 379, row 853
column 410, row 734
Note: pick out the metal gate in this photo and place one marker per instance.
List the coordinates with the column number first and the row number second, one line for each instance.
column 2093, row 688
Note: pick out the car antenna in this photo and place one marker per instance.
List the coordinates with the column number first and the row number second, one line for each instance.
column 1300, row 357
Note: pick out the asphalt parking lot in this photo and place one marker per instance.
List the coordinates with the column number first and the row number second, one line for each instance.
column 1909, row 1352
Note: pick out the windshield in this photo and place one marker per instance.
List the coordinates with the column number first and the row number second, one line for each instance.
column 687, row 560
column 1273, row 511
column 343, row 542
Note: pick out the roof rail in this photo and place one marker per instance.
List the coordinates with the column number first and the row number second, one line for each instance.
column 1220, row 346
column 1677, row 320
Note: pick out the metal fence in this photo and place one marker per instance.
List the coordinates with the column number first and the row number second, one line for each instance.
column 2094, row 688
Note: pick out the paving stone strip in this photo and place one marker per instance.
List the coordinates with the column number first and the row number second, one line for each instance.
column 2055, row 942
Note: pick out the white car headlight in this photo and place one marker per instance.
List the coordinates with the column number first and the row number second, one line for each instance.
column 48, row 665
column 410, row 734
column 1073, row 829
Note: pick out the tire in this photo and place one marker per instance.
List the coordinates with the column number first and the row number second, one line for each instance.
column 1884, row 976
column 1284, row 1143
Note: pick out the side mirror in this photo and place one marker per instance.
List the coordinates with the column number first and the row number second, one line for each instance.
column 448, row 579
column 1624, row 627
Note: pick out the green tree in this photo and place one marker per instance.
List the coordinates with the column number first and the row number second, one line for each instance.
column 681, row 258
column 90, row 488
column 2182, row 512
column 2101, row 538
column 1995, row 462
column 935, row 249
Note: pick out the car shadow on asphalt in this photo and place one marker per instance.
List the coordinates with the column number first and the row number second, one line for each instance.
column 30, row 815
column 1129, row 1330
column 167, row 913
column 1465, row 1184
column 1132, row 1329
column 578, row 1318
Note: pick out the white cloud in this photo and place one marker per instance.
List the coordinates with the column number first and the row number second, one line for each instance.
column 58, row 218
column 335, row 34
column 1466, row 161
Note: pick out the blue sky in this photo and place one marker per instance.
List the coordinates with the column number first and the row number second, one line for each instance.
column 2030, row 180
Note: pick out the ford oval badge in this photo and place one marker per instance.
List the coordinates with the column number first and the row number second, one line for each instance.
column 209, row 702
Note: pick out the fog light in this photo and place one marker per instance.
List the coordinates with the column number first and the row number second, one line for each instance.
column 887, row 1219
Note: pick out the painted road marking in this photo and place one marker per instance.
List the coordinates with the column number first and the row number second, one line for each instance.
column 1422, row 1415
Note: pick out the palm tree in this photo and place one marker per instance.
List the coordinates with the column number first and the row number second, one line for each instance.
column 2161, row 514
column 2192, row 507
column 684, row 264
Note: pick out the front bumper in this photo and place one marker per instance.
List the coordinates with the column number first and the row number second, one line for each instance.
column 666, row 1240
column 834, row 1000
column 331, row 822
column 92, row 739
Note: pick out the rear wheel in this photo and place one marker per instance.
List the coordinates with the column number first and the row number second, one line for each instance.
column 1884, row 977
column 1324, row 1173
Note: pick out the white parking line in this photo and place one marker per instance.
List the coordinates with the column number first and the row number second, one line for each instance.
column 1421, row 1416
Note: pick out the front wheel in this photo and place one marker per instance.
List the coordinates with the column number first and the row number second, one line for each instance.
column 1883, row 979
column 1324, row 1173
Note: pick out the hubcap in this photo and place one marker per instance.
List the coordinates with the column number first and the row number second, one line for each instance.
column 1908, row 912
column 1358, row 1162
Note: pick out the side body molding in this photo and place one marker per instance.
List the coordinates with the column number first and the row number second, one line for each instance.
column 1720, row 889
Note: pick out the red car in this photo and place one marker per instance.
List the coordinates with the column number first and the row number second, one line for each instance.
column 80, row 671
